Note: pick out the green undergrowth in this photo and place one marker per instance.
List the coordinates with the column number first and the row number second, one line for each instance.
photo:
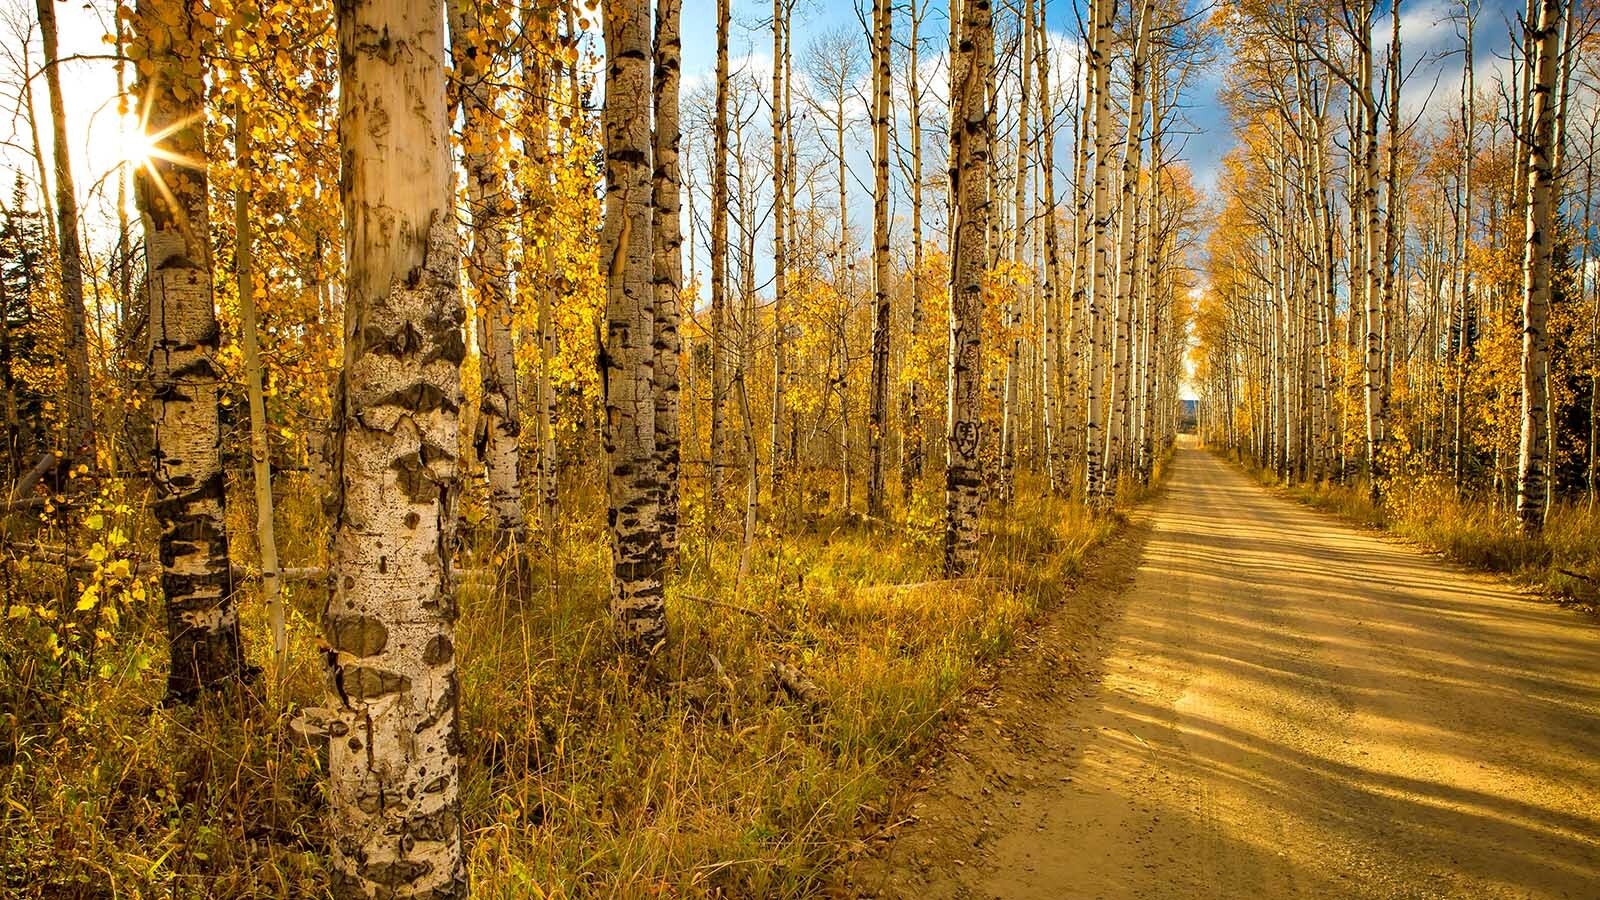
column 703, row 774
column 1563, row 562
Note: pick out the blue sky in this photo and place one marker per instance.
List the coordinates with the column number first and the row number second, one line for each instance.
column 1430, row 40
column 98, row 139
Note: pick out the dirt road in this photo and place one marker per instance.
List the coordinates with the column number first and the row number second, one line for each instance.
column 1287, row 707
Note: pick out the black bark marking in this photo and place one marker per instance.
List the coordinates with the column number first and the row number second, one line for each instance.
column 358, row 635
column 366, row 683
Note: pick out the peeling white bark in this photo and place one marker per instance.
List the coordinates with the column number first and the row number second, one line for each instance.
column 394, row 757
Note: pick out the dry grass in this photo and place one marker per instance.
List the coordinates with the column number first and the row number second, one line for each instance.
column 587, row 776
column 1563, row 561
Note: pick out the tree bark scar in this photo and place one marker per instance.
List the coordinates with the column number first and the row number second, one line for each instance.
column 620, row 254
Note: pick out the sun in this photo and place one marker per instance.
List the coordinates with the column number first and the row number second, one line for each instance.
column 134, row 146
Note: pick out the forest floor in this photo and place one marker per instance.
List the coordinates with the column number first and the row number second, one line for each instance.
column 1279, row 705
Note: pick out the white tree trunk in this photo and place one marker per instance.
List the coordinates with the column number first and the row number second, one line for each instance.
column 260, row 449
column 394, row 757
column 1099, row 280
column 878, row 404
column 668, row 267
column 74, row 322
column 1009, row 412
column 1532, row 458
column 718, row 476
column 489, row 203
column 626, row 248
column 1127, row 211
column 970, row 165
column 780, row 245
column 185, row 377
column 1051, row 361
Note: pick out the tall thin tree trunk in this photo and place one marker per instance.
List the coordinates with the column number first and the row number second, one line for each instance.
column 185, row 377
column 394, row 769
column 970, row 163
column 1099, row 280
column 540, row 77
column 1149, row 275
column 1394, row 214
column 1373, row 306
column 1532, row 460
column 632, row 487
column 668, row 266
column 1464, row 295
column 74, row 323
column 912, row 456
column 844, row 288
column 1051, row 360
column 1074, row 445
column 1013, row 312
column 488, row 203
column 124, row 232
column 878, row 405
column 780, row 245
column 1127, row 209
column 260, row 450
column 717, row 483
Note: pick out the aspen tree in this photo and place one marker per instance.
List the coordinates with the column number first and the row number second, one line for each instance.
column 1393, row 216
column 1462, row 324
column 780, row 245
column 1051, row 361
column 1588, row 292
column 394, row 760
column 717, row 485
column 539, row 80
column 911, row 458
column 878, row 404
column 1366, row 224
column 1078, row 312
column 1148, row 274
column 790, row 155
column 489, row 204
column 1127, row 208
column 970, row 163
column 260, row 451
column 667, row 263
column 538, row 72
column 628, row 376
column 69, row 254
column 1008, row 402
column 1099, row 279
column 185, row 377
column 124, row 263
column 745, row 357
column 1543, row 40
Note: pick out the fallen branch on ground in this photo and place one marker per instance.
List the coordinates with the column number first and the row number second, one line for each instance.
column 721, row 604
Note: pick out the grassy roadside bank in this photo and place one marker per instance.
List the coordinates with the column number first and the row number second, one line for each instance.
column 1562, row 563
column 792, row 702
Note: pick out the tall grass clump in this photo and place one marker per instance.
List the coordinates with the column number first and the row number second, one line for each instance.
column 795, row 694
column 1480, row 532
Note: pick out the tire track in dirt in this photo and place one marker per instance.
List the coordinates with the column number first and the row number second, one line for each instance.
column 1278, row 705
